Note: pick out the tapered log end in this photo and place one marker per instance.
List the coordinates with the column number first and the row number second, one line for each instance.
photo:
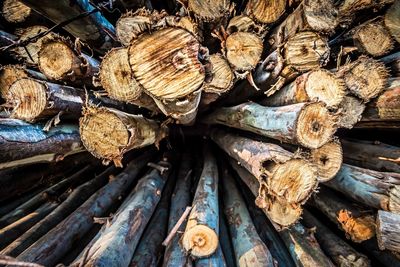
column 328, row 160
column 306, row 51
column 293, row 181
column 351, row 110
column 357, row 228
column 243, row 50
column 15, row 11
column 315, row 125
column 210, row 11
column 324, row 86
column 28, row 99
column 365, row 77
column 282, row 213
column 56, row 59
column 200, row 240
column 265, row 11
column 392, row 20
column 8, row 75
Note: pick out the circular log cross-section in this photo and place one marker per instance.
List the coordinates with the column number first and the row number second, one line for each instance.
column 208, row 10
column 15, row 11
column 166, row 63
column 108, row 133
column 8, row 75
column 328, row 160
column 392, row 20
column 265, row 11
column 243, row 50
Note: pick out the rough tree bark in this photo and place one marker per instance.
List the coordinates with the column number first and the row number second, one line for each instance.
column 22, row 143
column 387, row 230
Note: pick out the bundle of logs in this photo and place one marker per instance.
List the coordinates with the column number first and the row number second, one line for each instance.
column 200, row 133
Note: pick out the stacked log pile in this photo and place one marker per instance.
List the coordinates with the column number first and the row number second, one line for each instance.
column 200, row 133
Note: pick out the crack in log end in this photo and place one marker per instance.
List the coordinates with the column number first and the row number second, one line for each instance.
column 315, row 125
column 328, row 160
column 358, row 229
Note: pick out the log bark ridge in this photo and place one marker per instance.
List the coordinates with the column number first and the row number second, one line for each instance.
column 387, row 231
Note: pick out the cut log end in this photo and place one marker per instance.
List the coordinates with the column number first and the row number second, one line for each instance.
column 321, row 16
column 222, row 75
column 351, row 109
column 328, row 160
column 359, row 228
column 200, row 240
column 166, row 63
column 212, row 11
column 265, row 11
column 392, row 20
column 394, row 199
column 8, row 75
column 28, row 99
column 325, row 87
column 15, row 11
column 243, row 50
column 282, row 213
column 131, row 25
column 315, row 125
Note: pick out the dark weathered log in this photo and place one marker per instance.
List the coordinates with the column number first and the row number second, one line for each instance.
column 380, row 190
column 387, row 230
column 60, row 61
column 371, row 155
column 338, row 250
column 174, row 253
column 303, row 247
column 74, row 200
column 351, row 109
column 149, row 251
column 366, row 77
column 321, row 85
column 307, row 124
column 278, row 211
column 319, row 16
column 392, row 20
column 117, row 243
column 116, row 78
column 22, row 143
column 357, row 222
column 33, row 100
column 267, row 231
column 45, row 195
column 384, row 257
column 265, row 11
column 92, row 28
column 11, row 73
column 11, row 232
column 173, row 78
column 215, row 260
column 278, row 173
column 52, row 246
column 108, row 133
column 249, row 248
column 201, row 234
column 11, row 205
column 225, row 240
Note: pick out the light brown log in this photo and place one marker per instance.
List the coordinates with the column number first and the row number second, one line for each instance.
column 328, row 160
column 388, row 231
column 265, row 11
column 356, row 221
column 392, row 20
column 350, row 109
column 116, row 78
column 15, row 11
column 212, row 11
column 321, row 85
column 108, row 133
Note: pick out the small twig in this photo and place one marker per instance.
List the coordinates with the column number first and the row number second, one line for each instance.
column 7, row 260
column 159, row 168
column 176, row 227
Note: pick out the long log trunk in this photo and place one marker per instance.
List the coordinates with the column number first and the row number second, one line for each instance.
column 201, row 234
column 338, row 250
column 215, row 260
column 60, row 61
column 371, row 155
column 387, row 230
column 249, row 248
column 225, row 239
column 392, row 62
column 32, row 100
column 278, row 173
column 109, row 133
column 174, row 253
column 75, row 199
column 149, row 251
column 379, row 190
column 357, row 222
column 117, row 243
column 265, row 12
column 307, row 124
column 116, row 78
column 52, row 246
column 11, row 205
column 23, row 143
column 278, row 211
column 304, row 248
column 7, row 39
column 97, row 31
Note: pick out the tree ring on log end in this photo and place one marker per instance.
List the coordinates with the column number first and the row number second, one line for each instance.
column 200, row 240
column 283, row 213
column 222, row 75
column 315, row 125
column 166, row 63
column 243, row 50
column 328, row 160
column 324, row 86
column 351, row 110
column 392, row 20
column 28, row 98
column 265, row 11
column 116, row 76
column 210, row 11
column 394, row 199
column 293, row 181
column 321, row 15
column 8, row 75
column 15, row 11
